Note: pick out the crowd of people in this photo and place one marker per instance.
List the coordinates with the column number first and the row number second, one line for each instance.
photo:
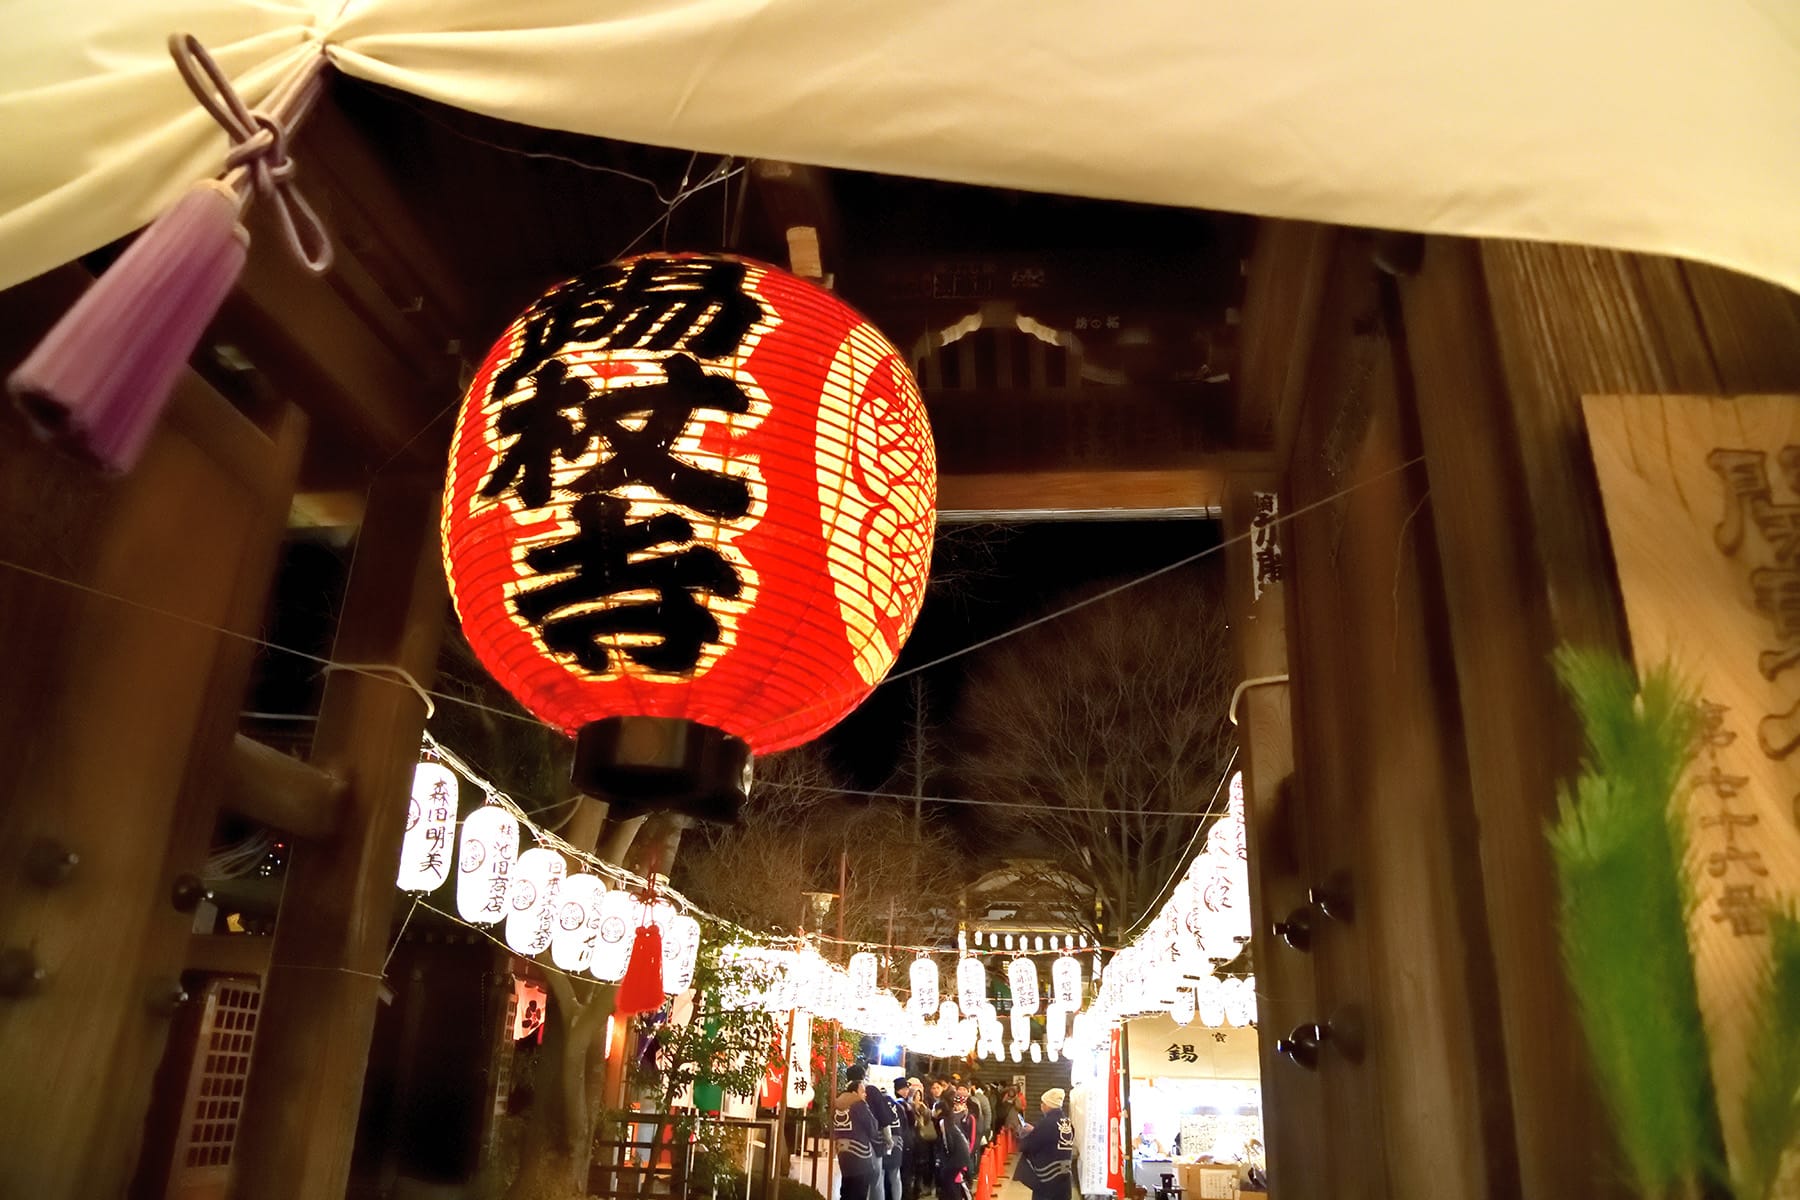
column 926, row 1140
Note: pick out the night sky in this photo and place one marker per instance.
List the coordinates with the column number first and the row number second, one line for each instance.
column 999, row 582
column 998, row 578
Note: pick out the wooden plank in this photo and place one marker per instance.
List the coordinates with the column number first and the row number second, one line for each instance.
column 1195, row 492
column 105, row 691
column 332, row 939
column 229, row 954
column 1501, row 632
column 1695, row 489
column 281, row 791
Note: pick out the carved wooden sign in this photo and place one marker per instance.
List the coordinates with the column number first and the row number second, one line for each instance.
column 1702, row 499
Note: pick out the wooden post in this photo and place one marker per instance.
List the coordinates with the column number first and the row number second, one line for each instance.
column 332, row 938
column 116, row 707
column 1293, row 1113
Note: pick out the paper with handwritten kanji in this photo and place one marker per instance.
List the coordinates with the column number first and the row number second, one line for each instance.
column 1702, row 500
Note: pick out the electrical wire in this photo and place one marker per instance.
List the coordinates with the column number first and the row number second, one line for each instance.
column 892, row 677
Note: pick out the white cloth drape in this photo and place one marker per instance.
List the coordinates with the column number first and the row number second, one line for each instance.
column 1669, row 126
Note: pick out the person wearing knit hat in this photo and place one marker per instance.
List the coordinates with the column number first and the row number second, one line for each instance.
column 1047, row 1151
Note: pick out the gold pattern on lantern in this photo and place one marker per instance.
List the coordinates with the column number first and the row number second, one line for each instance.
column 877, row 499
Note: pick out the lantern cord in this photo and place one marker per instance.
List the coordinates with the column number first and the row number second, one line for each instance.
column 511, row 715
column 1147, row 576
column 540, row 155
column 377, row 669
column 417, row 900
column 1154, row 907
column 973, row 802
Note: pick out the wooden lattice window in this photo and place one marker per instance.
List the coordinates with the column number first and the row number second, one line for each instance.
column 215, row 1096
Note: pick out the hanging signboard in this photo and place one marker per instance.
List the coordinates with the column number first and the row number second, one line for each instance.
column 1702, row 498
column 799, row 1062
column 490, row 846
column 430, row 815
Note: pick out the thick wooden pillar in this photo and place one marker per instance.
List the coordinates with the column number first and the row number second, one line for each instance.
column 117, row 705
column 1293, row 1109
column 332, row 936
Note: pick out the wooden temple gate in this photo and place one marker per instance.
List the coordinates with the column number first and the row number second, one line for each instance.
column 1407, row 766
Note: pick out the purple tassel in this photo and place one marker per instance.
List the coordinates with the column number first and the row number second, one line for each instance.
column 101, row 378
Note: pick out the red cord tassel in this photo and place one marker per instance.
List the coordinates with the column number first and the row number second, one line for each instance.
column 641, row 990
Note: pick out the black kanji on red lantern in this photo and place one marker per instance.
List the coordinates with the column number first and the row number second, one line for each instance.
column 697, row 305
column 691, row 311
column 601, row 563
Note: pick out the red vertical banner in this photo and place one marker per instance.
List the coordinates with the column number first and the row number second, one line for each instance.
column 1115, row 1139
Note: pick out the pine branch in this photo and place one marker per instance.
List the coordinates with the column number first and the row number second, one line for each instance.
column 1618, row 844
column 1772, row 1098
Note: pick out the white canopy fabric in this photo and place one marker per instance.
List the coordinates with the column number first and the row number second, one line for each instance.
column 1668, row 126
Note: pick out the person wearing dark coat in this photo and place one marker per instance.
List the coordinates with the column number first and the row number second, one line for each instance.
column 908, row 1154
column 956, row 1148
column 1047, row 1151
column 854, row 1135
column 887, row 1143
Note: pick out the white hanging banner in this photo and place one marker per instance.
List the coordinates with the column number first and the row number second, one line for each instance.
column 799, row 1069
column 1022, row 978
column 430, row 813
column 577, row 922
column 619, row 916
column 971, row 983
column 923, row 976
column 531, row 900
column 490, row 847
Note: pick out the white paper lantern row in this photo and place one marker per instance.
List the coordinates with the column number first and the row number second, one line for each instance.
column 1065, row 982
column 425, row 853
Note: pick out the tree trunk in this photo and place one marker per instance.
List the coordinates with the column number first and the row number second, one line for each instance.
column 557, row 1147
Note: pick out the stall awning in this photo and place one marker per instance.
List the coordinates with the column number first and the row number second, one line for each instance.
column 1161, row 1049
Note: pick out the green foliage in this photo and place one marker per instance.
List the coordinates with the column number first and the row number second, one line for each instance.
column 1772, row 1099
column 727, row 1048
column 1618, row 845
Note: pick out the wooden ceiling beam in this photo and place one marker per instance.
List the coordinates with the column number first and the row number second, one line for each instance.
column 1193, row 491
column 1283, row 293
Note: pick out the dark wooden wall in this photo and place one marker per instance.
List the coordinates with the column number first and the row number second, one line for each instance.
column 1428, row 732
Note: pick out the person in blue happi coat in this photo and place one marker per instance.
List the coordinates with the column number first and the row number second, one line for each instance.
column 1047, row 1151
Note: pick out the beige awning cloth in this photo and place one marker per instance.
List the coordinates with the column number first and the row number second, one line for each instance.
column 1668, row 126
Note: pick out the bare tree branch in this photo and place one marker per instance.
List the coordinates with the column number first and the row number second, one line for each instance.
column 1119, row 706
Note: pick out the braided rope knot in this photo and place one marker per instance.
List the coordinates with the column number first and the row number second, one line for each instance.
column 258, row 147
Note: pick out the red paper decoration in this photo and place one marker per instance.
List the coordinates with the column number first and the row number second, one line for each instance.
column 691, row 486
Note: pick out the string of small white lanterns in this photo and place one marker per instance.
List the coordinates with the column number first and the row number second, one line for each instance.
column 1204, row 924
column 586, row 923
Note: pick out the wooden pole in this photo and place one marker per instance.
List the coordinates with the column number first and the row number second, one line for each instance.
column 831, row 1056
column 331, row 941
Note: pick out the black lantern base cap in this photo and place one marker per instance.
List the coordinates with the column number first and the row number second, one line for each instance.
column 642, row 765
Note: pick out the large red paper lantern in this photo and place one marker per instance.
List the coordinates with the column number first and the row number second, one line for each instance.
column 689, row 517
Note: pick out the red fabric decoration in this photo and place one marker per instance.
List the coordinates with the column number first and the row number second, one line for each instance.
column 641, row 990
column 691, row 486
